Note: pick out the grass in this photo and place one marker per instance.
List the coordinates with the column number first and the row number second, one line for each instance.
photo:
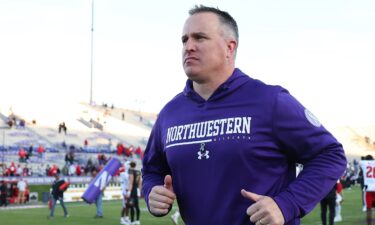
column 82, row 214
column 351, row 210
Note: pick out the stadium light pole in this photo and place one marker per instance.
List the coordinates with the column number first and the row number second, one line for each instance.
column 92, row 49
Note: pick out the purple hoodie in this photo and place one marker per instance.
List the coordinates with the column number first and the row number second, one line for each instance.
column 247, row 135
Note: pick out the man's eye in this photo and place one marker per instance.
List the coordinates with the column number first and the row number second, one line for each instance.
column 200, row 38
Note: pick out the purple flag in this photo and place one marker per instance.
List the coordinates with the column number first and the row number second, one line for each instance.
column 101, row 180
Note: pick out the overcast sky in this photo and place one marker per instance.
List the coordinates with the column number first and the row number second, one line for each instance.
column 322, row 51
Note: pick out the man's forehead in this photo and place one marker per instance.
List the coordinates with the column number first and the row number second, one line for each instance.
column 202, row 19
column 200, row 23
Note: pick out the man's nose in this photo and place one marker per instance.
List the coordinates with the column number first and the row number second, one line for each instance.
column 189, row 45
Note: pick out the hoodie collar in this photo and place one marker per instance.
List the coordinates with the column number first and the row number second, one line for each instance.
column 234, row 81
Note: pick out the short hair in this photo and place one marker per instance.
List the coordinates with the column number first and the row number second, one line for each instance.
column 133, row 164
column 224, row 17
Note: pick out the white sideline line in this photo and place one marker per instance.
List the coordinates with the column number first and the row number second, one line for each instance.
column 22, row 207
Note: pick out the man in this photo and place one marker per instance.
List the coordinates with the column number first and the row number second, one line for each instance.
column 368, row 168
column 58, row 194
column 135, row 181
column 3, row 193
column 124, row 181
column 22, row 155
column 21, row 186
column 327, row 204
column 339, row 201
column 98, row 200
column 227, row 146
column 41, row 151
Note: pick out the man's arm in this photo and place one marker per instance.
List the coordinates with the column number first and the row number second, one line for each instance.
column 307, row 142
column 158, row 196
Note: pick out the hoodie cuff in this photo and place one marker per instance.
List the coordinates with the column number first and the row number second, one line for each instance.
column 288, row 207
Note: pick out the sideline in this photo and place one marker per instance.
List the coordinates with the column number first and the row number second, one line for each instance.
column 14, row 207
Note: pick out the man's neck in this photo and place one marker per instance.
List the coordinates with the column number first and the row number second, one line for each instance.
column 206, row 89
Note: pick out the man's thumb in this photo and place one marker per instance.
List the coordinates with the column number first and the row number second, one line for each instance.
column 250, row 195
column 168, row 182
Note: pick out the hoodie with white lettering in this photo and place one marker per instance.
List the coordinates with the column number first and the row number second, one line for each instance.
column 247, row 135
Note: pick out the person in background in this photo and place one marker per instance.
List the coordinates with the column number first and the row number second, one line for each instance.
column 98, row 200
column 19, row 170
column 41, row 151
column 3, row 193
column 26, row 171
column 362, row 185
column 21, row 185
column 85, row 144
column 339, row 201
column 135, row 182
column 225, row 125
column 62, row 127
column 368, row 167
column 328, row 201
column 120, row 149
column 124, row 181
column 30, row 150
column 57, row 194
column 69, row 157
column 22, row 155
column 72, row 170
column 12, row 169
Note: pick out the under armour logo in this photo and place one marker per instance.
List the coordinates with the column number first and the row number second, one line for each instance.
column 203, row 152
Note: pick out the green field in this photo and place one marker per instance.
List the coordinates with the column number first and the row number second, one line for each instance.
column 82, row 214
column 351, row 210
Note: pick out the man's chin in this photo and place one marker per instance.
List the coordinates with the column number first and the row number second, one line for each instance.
column 192, row 76
column 190, row 72
column 196, row 79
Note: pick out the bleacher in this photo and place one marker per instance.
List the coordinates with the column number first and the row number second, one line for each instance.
column 101, row 139
column 353, row 139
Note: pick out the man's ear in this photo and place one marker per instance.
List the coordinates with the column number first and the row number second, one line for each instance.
column 231, row 48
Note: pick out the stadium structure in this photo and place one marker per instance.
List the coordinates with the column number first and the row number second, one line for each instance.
column 84, row 131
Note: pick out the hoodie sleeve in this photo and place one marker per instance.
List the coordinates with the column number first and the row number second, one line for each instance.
column 155, row 166
column 306, row 141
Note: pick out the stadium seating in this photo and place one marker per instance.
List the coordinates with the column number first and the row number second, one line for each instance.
column 113, row 130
